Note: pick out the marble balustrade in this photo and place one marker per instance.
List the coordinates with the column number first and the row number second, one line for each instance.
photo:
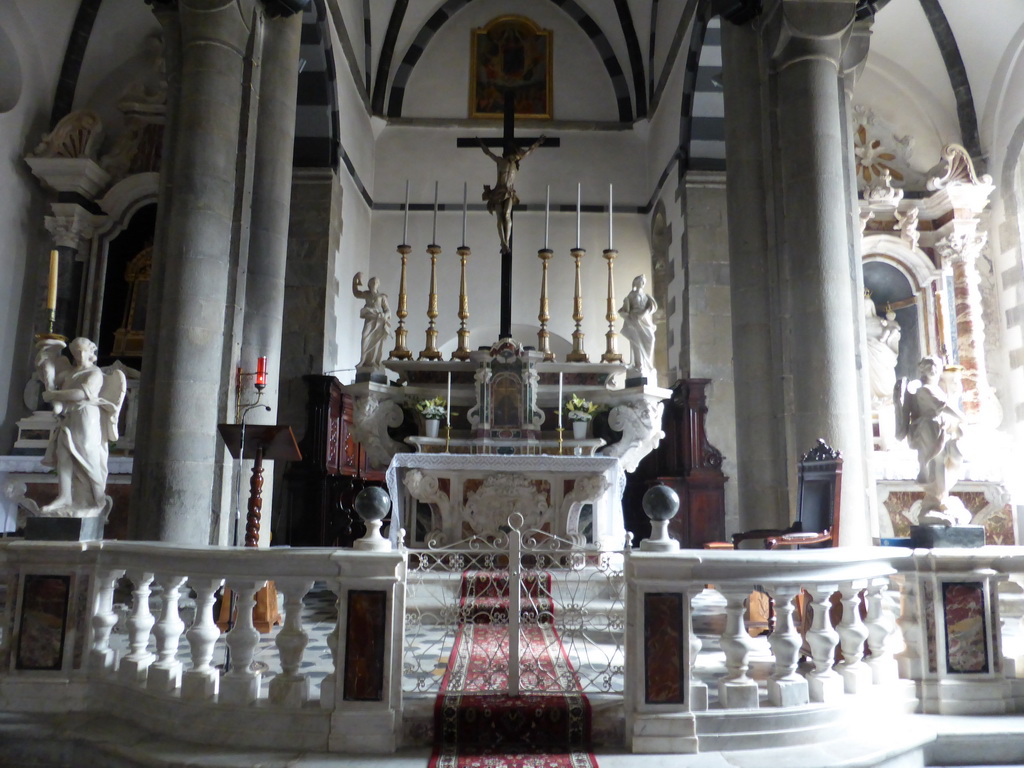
column 920, row 631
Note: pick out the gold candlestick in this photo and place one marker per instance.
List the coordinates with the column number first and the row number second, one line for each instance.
column 431, row 352
column 462, row 353
column 401, row 352
column 611, row 352
column 543, row 337
column 577, row 355
column 560, row 430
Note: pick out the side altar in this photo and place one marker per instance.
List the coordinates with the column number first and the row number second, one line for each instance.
column 505, row 446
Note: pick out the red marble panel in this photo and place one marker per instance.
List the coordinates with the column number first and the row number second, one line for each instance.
column 665, row 669
column 365, row 644
column 966, row 632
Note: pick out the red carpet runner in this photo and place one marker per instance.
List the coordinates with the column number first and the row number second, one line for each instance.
column 477, row 724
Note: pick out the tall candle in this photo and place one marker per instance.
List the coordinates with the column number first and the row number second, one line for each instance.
column 51, row 286
column 547, row 214
column 579, row 193
column 610, row 246
column 559, row 399
column 433, row 237
column 405, row 224
column 449, row 401
column 465, row 208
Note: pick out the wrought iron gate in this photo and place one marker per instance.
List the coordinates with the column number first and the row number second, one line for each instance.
column 524, row 612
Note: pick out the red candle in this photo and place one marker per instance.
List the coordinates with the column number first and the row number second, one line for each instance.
column 261, row 372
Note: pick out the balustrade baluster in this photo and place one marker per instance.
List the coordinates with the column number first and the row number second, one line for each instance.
column 102, row 657
column 290, row 688
column 202, row 681
column 911, row 661
column 698, row 688
column 165, row 672
column 241, row 685
column 327, row 685
column 852, row 634
column 824, row 682
column 881, row 623
column 786, row 687
column 135, row 665
column 736, row 690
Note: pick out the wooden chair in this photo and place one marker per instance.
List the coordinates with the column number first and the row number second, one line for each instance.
column 820, row 475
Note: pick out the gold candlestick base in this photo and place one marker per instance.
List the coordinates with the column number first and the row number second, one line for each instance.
column 447, row 438
column 577, row 355
column 560, row 430
column 611, row 353
column 401, row 352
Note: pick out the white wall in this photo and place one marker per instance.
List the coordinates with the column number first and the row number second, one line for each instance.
column 33, row 33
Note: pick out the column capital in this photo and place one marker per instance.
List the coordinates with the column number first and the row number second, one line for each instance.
column 963, row 244
column 802, row 30
column 69, row 230
column 856, row 53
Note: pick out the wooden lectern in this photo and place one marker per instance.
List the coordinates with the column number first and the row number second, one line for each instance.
column 274, row 442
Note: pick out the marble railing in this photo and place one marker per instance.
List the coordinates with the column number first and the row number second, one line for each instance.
column 919, row 631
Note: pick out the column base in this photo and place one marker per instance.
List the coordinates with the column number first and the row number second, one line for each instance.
column 134, row 671
column 200, row 685
column 825, row 689
column 884, row 671
column 290, row 692
column 698, row 697
column 164, row 679
column 327, row 693
column 856, row 679
column 364, row 732
column 788, row 693
column 737, row 694
column 664, row 734
column 240, row 690
column 105, row 661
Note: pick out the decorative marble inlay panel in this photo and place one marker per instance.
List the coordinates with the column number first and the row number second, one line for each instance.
column 928, row 603
column 665, row 668
column 966, row 642
column 365, row 644
column 998, row 524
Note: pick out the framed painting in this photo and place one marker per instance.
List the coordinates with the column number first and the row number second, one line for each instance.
column 510, row 53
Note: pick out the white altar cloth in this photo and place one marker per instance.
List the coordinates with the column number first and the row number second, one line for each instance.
column 470, row 494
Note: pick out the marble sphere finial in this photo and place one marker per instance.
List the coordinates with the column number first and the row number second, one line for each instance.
column 372, row 503
column 661, row 503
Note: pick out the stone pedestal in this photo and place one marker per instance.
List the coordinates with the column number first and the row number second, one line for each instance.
column 64, row 528
column 932, row 536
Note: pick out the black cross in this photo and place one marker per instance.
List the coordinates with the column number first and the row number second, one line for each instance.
column 509, row 145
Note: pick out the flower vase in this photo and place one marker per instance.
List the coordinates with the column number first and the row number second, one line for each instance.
column 431, row 426
column 579, row 430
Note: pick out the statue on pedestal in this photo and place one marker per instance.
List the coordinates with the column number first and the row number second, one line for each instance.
column 927, row 416
column 87, row 403
column 376, row 315
column 637, row 312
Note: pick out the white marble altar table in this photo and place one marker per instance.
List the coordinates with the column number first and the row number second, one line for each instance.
column 475, row 494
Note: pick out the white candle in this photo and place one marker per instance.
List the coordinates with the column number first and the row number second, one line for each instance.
column 547, row 215
column 610, row 246
column 405, row 225
column 559, row 399
column 449, row 399
column 465, row 208
column 433, row 237
column 579, row 193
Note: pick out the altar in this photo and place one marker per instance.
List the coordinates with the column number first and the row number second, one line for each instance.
column 444, row 498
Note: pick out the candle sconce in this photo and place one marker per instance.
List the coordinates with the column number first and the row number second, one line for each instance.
column 259, row 377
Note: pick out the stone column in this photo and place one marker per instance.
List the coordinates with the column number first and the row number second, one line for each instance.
column 174, row 482
column 959, row 251
column 753, row 282
column 71, row 227
column 271, row 201
column 814, row 213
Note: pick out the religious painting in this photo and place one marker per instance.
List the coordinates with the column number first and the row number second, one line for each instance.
column 44, row 619
column 510, row 54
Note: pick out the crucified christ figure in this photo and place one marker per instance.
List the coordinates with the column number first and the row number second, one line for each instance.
column 502, row 196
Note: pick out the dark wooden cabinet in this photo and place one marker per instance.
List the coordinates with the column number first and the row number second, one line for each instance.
column 321, row 489
column 689, row 464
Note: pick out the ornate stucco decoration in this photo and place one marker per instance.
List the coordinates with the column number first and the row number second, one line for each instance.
column 877, row 148
column 372, row 415
column 639, row 421
column 487, row 508
column 65, row 158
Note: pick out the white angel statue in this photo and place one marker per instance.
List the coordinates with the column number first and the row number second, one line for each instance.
column 87, row 403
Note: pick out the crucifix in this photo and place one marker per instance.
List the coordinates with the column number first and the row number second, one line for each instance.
column 502, row 198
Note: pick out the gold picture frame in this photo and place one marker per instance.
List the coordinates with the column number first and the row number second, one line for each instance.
column 510, row 52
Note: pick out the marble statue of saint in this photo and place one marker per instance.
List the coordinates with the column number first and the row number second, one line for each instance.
column 376, row 315
column 933, row 425
column 502, row 196
column 87, row 403
column 637, row 312
column 883, row 351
